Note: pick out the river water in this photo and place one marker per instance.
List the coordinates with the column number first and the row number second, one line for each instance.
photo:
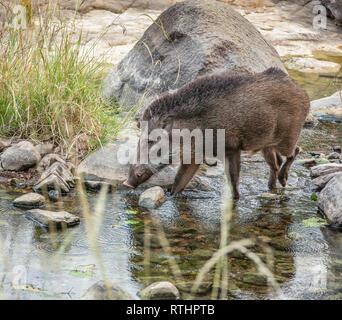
column 307, row 255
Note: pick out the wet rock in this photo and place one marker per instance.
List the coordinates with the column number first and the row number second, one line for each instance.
column 30, row 200
column 321, row 181
column 330, row 201
column 54, row 195
column 334, row 156
column 337, row 149
column 20, row 156
column 99, row 291
column 311, row 122
column 162, row 290
column 324, row 169
column 18, row 183
column 152, row 198
column 199, row 49
column 255, row 279
column 311, row 65
column 47, row 219
column 330, row 107
column 308, row 163
column 44, row 148
column 4, row 143
column 273, row 196
column 57, row 177
column 50, row 159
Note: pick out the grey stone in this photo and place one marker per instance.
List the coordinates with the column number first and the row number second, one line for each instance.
column 334, row 156
column 47, row 219
column 58, row 177
column 54, row 195
column 323, row 169
column 44, row 148
column 321, row 181
column 203, row 37
column 4, row 143
column 30, row 200
column 163, row 290
column 152, row 198
column 99, row 291
column 20, row 156
column 337, row 149
column 330, row 200
column 50, row 159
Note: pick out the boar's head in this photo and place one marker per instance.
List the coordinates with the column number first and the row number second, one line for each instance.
column 139, row 173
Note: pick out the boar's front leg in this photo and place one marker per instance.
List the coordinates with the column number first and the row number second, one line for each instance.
column 183, row 177
column 232, row 168
column 272, row 159
column 284, row 171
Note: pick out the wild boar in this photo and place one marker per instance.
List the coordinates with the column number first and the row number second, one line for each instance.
column 259, row 112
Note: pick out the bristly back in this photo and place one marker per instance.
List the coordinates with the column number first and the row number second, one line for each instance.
column 193, row 98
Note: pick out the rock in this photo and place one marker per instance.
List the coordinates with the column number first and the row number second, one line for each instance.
column 107, row 166
column 330, row 201
column 334, row 8
column 321, row 181
column 311, row 65
column 162, row 290
column 330, row 106
column 324, row 169
column 311, row 122
column 152, row 198
column 308, row 163
column 99, row 291
column 272, row 196
column 20, row 156
column 334, row 156
column 30, row 200
column 44, row 148
column 47, row 219
column 4, row 143
column 220, row 40
column 50, row 159
column 337, row 149
column 54, row 195
column 58, row 177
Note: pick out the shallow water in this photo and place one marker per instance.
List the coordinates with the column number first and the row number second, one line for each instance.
column 307, row 259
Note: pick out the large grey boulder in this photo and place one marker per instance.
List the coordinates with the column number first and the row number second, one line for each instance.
column 330, row 201
column 20, row 156
column 190, row 39
column 101, row 291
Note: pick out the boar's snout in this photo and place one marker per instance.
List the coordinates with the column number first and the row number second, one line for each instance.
column 129, row 185
column 137, row 175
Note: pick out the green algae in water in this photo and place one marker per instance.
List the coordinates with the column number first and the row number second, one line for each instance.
column 313, row 197
column 82, row 273
column 314, row 222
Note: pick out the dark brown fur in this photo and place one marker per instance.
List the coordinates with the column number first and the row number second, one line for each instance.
column 261, row 112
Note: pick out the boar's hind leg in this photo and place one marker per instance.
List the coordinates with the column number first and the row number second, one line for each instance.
column 183, row 177
column 232, row 168
column 272, row 160
column 284, row 171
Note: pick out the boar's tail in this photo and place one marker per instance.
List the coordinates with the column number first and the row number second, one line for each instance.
column 191, row 99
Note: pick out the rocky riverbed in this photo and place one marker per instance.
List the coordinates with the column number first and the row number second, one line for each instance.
column 62, row 264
